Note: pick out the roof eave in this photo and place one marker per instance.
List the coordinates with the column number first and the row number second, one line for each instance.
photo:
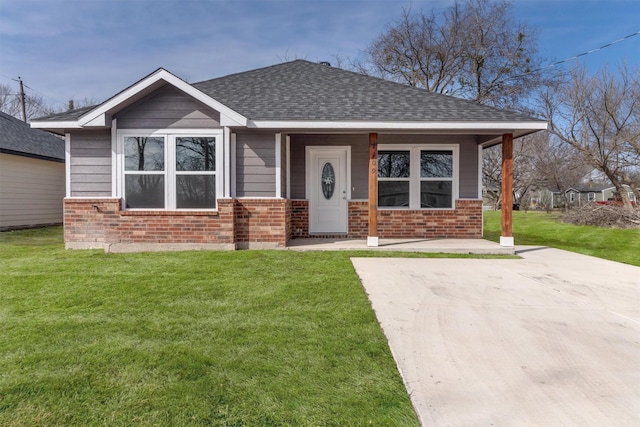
column 489, row 127
column 55, row 126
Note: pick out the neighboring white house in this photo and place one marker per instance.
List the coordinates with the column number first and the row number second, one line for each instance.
column 32, row 182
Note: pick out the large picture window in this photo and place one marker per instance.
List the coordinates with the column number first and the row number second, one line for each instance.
column 416, row 177
column 170, row 171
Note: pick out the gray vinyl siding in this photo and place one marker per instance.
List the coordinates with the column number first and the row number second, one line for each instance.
column 360, row 154
column 255, row 164
column 31, row 191
column 469, row 171
column 168, row 108
column 90, row 165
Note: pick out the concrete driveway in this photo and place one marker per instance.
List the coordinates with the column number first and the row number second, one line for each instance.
column 552, row 339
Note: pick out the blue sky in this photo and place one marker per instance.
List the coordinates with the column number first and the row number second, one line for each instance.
column 94, row 48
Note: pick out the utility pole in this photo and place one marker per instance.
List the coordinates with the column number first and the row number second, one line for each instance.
column 22, row 101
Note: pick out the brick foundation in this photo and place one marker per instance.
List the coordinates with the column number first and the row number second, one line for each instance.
column 246, row 223
column 101, row 223
column 463, row 222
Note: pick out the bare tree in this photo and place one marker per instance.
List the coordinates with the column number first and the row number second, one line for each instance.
column 75, row 104
column 524, row 172
column 10, row 103
column 540, row 163
column 474, row 49
column 420, row 50
column 557, row 165
column 599, row 116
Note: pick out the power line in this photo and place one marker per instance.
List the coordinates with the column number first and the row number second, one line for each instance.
column 572, row 58
column 594, row 50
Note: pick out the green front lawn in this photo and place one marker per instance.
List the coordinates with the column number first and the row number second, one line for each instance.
column 249, row 338
column 546, row 229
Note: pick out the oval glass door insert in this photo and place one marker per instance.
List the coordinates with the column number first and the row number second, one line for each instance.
column 328, row 180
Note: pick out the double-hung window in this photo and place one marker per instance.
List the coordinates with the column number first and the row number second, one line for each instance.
column 144, row 171
column 417, row 177
column 170, row 171
column 195, row 184
column 394, row 173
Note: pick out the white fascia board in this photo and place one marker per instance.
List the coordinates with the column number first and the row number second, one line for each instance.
column 54, row 125
column 426, row 126
column 93, row 117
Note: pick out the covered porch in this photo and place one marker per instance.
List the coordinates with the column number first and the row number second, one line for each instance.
column 366, row 212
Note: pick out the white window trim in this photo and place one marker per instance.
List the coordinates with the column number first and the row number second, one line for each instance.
column 415, row 179
column 169, row 157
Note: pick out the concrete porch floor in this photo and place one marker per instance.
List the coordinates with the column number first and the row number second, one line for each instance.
column 456, row 246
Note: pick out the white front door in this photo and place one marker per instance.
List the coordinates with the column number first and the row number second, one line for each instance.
column 327, row 185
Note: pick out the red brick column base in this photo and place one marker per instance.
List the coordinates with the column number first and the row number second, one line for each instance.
column 261, row 223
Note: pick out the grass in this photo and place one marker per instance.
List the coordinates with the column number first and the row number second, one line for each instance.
column 250, row 338
column 546, row 229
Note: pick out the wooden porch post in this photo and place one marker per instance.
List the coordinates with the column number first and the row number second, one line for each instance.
column 372, row 235
column 506, row 238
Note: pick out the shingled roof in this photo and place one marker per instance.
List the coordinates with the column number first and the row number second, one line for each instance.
column 16, row 137
column 306, row 92
column 303, row 90
column 66, row 115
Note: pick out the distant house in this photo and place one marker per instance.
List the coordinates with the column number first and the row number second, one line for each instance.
column 581, row 195
column 32, row 176
column 295, row 150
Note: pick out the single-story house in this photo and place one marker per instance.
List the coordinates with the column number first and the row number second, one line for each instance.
column 32, row 176
column 294, row 150
column 579, row 196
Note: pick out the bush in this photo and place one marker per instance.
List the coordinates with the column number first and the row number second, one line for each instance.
column 610, row 216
